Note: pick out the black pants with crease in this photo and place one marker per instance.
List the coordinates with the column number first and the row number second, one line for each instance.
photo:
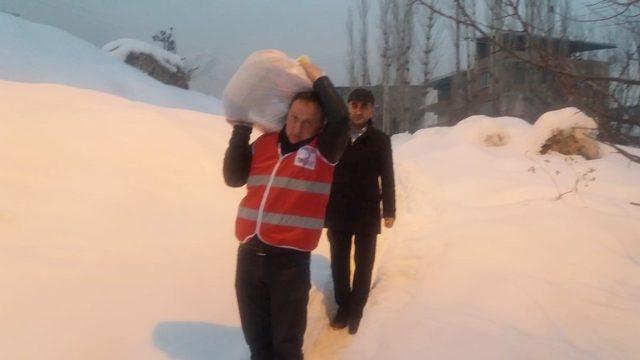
column 272, row 288
column 353, row 298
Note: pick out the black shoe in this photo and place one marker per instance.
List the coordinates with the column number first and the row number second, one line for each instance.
column 354, row 324
column 341, row 319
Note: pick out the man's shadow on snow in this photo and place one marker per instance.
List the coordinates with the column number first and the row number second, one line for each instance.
column 199, row 341
column 321, row 279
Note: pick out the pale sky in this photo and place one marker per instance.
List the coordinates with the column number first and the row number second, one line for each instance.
column 230, row 29
column 227, row 29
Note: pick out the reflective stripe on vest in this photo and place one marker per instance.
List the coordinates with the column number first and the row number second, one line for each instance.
column 304, row 222
column 291, row 184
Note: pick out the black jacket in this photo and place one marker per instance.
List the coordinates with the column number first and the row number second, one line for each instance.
column 331, row 141
column 354, row 204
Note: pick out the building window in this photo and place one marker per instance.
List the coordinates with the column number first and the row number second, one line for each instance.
column 482, row 48
column 518, row 74
column 444, row 93
column 485, row 79
column 544, row 77
column 520, row 43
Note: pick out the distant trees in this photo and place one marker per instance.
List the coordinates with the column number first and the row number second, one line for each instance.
column 363, row 53
column 351, row 50
column 403, row 39
column 165, row 38
column 396, row 53
column 427, row 59
column 546, row 24
column 549, row 26
column 386, row 59
column 358, row 53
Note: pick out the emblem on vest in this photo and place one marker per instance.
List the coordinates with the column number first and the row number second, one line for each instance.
column 306, row 157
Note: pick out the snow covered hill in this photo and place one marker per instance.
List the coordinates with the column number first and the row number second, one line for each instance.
column 115, row 228
column 43, row 54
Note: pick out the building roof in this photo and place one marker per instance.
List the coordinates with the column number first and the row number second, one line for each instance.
column 575, row 46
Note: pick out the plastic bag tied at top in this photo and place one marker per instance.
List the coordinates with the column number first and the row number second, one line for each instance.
column 262, row 88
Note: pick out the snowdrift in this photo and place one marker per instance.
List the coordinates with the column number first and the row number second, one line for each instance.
column 43, row 54
column 115, row 228
column 499, row 252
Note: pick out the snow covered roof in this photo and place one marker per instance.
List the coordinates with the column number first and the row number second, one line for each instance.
column 121, row 48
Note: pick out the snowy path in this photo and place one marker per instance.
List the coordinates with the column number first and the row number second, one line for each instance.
column 484, row 267
column 400, row 261
column 321, row 341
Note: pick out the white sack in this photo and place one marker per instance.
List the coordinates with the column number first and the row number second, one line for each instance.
column 262, row 88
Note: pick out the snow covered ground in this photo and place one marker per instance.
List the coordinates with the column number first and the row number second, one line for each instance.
column 115, row 233
column 116, row 237
column 486, row 262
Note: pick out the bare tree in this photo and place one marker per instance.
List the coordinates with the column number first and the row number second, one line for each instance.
column 386, row 60
column 578, row 84
column 496, row 26
column 428, row 55
column 403, row 25
column 351, row 65
column 565, row 15
column 428, row 61
column 403, row 29
column 470, row 37
column 363, row 13
column 456, row 40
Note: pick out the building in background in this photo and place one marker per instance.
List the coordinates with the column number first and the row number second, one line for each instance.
column 497, row 84
column 503, row 83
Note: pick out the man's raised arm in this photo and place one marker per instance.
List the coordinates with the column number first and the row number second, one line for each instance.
column 335, row 134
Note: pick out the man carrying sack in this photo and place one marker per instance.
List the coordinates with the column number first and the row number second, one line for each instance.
column 279, row 222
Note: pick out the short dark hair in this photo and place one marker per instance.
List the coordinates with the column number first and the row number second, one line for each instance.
column 361, row 95
column 310, row 96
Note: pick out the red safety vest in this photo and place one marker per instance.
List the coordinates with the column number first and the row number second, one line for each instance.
column 286, row 195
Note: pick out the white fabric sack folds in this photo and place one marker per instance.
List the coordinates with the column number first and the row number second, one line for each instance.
column 262, row 88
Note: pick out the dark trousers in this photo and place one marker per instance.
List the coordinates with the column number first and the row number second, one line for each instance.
column 273, row 292
column 353, row 297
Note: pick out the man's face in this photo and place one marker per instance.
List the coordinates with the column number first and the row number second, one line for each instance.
column 360, row 112
column 304, row 120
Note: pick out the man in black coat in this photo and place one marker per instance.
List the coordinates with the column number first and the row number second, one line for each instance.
column 272, row 282
column 353, row 211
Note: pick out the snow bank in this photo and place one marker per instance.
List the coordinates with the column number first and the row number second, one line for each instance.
column 121, row 48
column 566, row 119
column 501, row 253
column 116, row 235
column 494, row 132
column 43, row 54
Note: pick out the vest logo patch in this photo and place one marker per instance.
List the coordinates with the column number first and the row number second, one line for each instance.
column 306, row 158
